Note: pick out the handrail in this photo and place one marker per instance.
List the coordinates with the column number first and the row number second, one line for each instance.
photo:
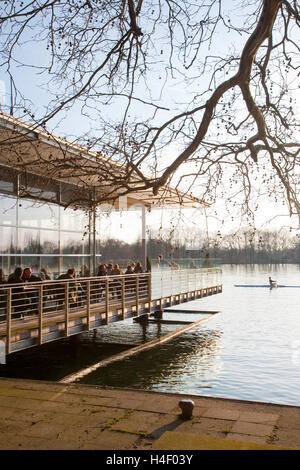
column 61, row 299
column 26, row 299
column 30, row 310
column 78, row 279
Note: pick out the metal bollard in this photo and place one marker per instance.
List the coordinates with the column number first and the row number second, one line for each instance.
column 187, row 407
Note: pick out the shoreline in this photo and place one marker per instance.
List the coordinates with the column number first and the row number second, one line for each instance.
column 44, row 415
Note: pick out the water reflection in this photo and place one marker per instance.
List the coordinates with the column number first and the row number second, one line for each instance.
column 150, row 369
column 53, row 361
column 192, row 357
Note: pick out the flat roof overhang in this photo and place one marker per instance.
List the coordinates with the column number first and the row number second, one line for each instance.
column 25, row 147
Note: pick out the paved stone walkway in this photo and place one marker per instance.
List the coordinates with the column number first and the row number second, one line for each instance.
column 50, row 416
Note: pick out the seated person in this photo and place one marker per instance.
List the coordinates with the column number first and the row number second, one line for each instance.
column 18, row 300
column 272, row 283
column 138, row 268
column 32, row 295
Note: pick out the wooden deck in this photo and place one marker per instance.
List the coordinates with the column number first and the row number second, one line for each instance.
column 51, row 322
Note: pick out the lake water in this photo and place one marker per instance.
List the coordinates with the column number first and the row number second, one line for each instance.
column 251, row 351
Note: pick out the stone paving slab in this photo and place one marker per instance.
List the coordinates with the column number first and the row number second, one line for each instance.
column 179, row 441
column 49, row 415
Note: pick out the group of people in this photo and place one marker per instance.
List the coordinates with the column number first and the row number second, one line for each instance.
column 20, row 302
column 111, row 269
column 21, row 275
column 114, row 269
column 27, row 301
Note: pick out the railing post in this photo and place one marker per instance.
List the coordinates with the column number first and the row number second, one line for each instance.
column 106, row 300
column 8, row 321
column 137, row 294
column 66, row 308
column 40, row 314
column 123, row 297
column 88, row 304
column 149, row 292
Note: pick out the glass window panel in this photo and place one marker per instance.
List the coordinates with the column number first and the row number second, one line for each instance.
column 98, row 247
column 8, row 264
column 8, row 210
column 125, row 225
column 76, row 262
column 49, row 242
column 38, row 263
column 7, row 186
column 68, row 192
column 29, row 241
column 30, row 262
column 49, row 265
column 8, row 179
column 39, row 187
column 74, row 243
column 74, row 220
column 8, row 240
column 33, row 214
column 36, row 192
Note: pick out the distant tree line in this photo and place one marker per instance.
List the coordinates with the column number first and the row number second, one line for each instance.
column 261, row 247
column 238, row 248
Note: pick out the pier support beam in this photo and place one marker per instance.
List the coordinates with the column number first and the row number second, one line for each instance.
column 143, row 318
column 158, row 314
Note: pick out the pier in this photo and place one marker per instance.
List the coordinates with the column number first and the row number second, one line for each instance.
column 35, row 313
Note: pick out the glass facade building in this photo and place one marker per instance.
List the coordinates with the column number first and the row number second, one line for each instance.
column 44, row 222
column 41, row 233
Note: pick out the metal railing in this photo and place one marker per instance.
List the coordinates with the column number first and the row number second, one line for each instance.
column 33, row 313
column 60, row 300
column 23, row 300
column 167, row 282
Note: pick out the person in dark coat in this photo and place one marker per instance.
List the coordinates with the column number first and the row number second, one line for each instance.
column 100, row 290
column 74, row 288
column 115, row 285
column 138, row 268
column 18, row 299
column 16, row 276
column 28, row 276
column 129, row 282
column 3, row 277
column 32, row 295
column 129, row 270
column 109, row 269
column 45, row 276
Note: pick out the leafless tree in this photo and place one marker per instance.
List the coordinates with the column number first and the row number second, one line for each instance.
column 201, row 94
